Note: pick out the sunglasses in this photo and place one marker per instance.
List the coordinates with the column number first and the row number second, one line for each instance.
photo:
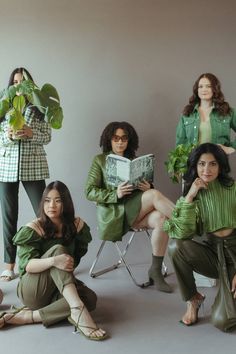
column 117, row 138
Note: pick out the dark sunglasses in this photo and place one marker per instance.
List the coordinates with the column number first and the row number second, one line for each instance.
column 117, row 138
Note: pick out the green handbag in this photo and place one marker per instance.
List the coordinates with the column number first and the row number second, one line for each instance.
column 223, row 314
column 224, row 308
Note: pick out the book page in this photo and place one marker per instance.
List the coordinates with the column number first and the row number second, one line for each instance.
column 142, row 168
column 117, row 169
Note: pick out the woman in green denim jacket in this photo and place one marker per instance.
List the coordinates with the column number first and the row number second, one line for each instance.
column 207, row 117
column 122, row 208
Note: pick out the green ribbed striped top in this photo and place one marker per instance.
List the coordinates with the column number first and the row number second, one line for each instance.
column 213, row 209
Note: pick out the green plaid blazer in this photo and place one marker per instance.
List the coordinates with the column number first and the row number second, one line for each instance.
column 25, row 159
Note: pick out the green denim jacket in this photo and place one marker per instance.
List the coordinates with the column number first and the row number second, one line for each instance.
column 188, row 128
column 115, row 216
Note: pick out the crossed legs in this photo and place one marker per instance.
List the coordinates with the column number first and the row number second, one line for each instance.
column 155, row 208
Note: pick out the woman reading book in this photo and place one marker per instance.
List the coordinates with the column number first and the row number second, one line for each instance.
column 121, row 208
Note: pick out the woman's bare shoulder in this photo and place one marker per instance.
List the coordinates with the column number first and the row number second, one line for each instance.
column 35, row 225
column 79, row 223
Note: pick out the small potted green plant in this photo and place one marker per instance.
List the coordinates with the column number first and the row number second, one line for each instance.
column 15, row 99
column 177, row 161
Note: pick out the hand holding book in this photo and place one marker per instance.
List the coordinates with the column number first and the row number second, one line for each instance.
column 144, row 185
column 124, row 189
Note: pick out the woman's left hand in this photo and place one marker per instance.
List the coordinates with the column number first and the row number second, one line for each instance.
column 144, row 185
column 233, row 288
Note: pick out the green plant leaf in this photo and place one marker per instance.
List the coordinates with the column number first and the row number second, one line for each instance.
column 54, row 117
column 19, row 103
column 26, row 87
column 16, row 119
column 176, row 164
column 38, row 100
column 51, row 93
column 4, row 107
column 10, row 92
column 46, row 100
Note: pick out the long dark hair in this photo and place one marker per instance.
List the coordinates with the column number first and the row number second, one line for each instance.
column 67, row 215
column 21, row 71
column 109, row 131
column 220, row 105
column 220, row 156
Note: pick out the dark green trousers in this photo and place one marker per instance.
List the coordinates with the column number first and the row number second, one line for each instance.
column 43, row 291
column 190, row 256
column 9, row 192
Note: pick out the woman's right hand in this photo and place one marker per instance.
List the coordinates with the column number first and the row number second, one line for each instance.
column 64, row 262
column 227, row 149
column 195, row 187
column 124, row 189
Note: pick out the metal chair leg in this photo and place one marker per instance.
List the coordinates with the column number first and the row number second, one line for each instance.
column 121, row 260
column 105, row 270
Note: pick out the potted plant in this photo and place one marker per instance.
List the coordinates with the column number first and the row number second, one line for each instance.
column 15, row 99
column 177, row 161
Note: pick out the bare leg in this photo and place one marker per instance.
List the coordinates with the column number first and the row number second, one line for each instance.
column 159, row 241
column 79, row 312
column 191, row 315
column 22, row 317
column 152, row 199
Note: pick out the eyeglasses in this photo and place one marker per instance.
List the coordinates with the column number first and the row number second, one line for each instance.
column 117, row 138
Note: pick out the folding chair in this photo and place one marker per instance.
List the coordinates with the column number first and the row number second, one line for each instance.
column 122, row 259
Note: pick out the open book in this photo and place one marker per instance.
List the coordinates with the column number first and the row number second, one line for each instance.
column 120, row 169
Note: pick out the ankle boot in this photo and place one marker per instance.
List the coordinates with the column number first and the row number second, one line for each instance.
column 156, row 277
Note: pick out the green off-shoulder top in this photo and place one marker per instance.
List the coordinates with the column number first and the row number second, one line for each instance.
column 31, row 245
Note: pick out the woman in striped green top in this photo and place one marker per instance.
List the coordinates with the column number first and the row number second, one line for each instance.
column 207, row 207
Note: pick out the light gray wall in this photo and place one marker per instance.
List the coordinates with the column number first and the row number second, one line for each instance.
column 133, row 60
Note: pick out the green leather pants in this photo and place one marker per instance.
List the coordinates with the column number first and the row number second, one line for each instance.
column 189, row 256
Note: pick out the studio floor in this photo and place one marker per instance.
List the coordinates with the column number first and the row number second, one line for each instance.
column 138, row 320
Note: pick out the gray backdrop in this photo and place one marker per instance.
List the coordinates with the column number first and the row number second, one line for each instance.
column 133, row 60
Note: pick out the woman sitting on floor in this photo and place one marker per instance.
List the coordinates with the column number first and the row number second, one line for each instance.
column 49, row 249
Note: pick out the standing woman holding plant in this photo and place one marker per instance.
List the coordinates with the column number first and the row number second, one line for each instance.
column 207, row 118
column 22, row 159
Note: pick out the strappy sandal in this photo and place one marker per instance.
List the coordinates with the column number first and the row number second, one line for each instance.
column 196, row 304
column 13, row 313
column 79, row 327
